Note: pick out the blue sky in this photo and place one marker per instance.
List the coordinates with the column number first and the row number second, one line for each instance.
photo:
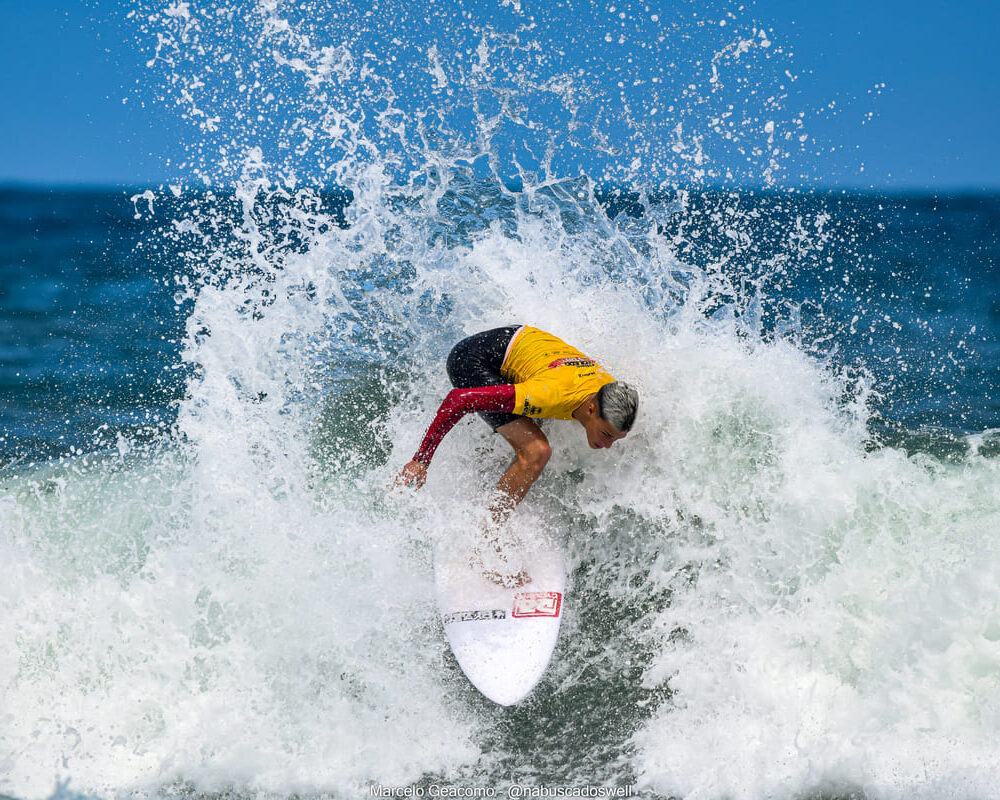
column 65, row 72
column 65, row 69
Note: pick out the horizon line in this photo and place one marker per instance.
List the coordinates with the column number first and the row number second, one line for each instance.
column 110, row 187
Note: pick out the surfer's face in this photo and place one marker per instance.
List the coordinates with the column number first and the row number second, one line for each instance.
column 601, row 433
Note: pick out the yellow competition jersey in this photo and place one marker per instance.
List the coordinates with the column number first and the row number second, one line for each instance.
column 551, row 379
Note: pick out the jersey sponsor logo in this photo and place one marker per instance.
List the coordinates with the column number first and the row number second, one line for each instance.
column 473, row 616
column 574, row 361
column 529, row 409
column 537, row 604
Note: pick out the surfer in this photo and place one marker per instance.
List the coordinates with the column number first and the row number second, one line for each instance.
column 511, row 375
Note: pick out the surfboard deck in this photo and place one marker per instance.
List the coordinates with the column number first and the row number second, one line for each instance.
column 502, row 638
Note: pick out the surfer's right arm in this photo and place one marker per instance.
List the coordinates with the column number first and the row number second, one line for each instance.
column 456, row 405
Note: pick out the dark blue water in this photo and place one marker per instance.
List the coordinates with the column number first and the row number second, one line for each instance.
column 210, row 587
column 904, row 291
column 89, row 331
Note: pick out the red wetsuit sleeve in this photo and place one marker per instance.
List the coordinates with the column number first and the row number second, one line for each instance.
column 456, row 405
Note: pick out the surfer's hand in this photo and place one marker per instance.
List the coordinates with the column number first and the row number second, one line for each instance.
column 413, row 474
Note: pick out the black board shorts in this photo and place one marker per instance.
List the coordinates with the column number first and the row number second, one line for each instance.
column 476, row 361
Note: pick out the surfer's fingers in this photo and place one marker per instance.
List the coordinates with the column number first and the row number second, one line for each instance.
column 412, row 476
column 399, row 483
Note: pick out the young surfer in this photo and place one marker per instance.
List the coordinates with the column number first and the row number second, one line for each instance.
column 510, row 375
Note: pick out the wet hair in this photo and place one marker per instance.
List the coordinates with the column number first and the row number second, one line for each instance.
column 617, row 403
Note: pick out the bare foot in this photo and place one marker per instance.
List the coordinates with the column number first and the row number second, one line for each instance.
column 508, row 581
column 490, row 560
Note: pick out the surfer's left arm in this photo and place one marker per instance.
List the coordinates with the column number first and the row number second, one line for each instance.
column 456, row 405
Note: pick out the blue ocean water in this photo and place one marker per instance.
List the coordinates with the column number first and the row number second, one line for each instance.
column 205, row 395
column 784, row 582
column 90, row 331
column 907, row 289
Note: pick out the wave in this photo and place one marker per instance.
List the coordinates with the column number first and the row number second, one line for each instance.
column 764, row 599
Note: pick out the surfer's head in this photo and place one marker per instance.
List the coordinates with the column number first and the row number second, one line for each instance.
column 618, row 404
column 608, row 414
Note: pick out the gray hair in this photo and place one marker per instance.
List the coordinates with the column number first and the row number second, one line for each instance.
column 618, row 403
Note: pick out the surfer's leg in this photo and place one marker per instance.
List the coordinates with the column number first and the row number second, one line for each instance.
column 531, row 454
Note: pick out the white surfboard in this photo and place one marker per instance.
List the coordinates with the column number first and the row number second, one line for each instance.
column 503, row 638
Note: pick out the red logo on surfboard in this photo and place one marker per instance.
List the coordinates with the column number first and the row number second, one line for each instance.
column 537, row 604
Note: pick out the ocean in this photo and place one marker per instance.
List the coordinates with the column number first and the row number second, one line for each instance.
column 785, row 582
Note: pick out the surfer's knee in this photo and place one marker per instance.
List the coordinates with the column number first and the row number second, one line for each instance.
column 535, row 454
